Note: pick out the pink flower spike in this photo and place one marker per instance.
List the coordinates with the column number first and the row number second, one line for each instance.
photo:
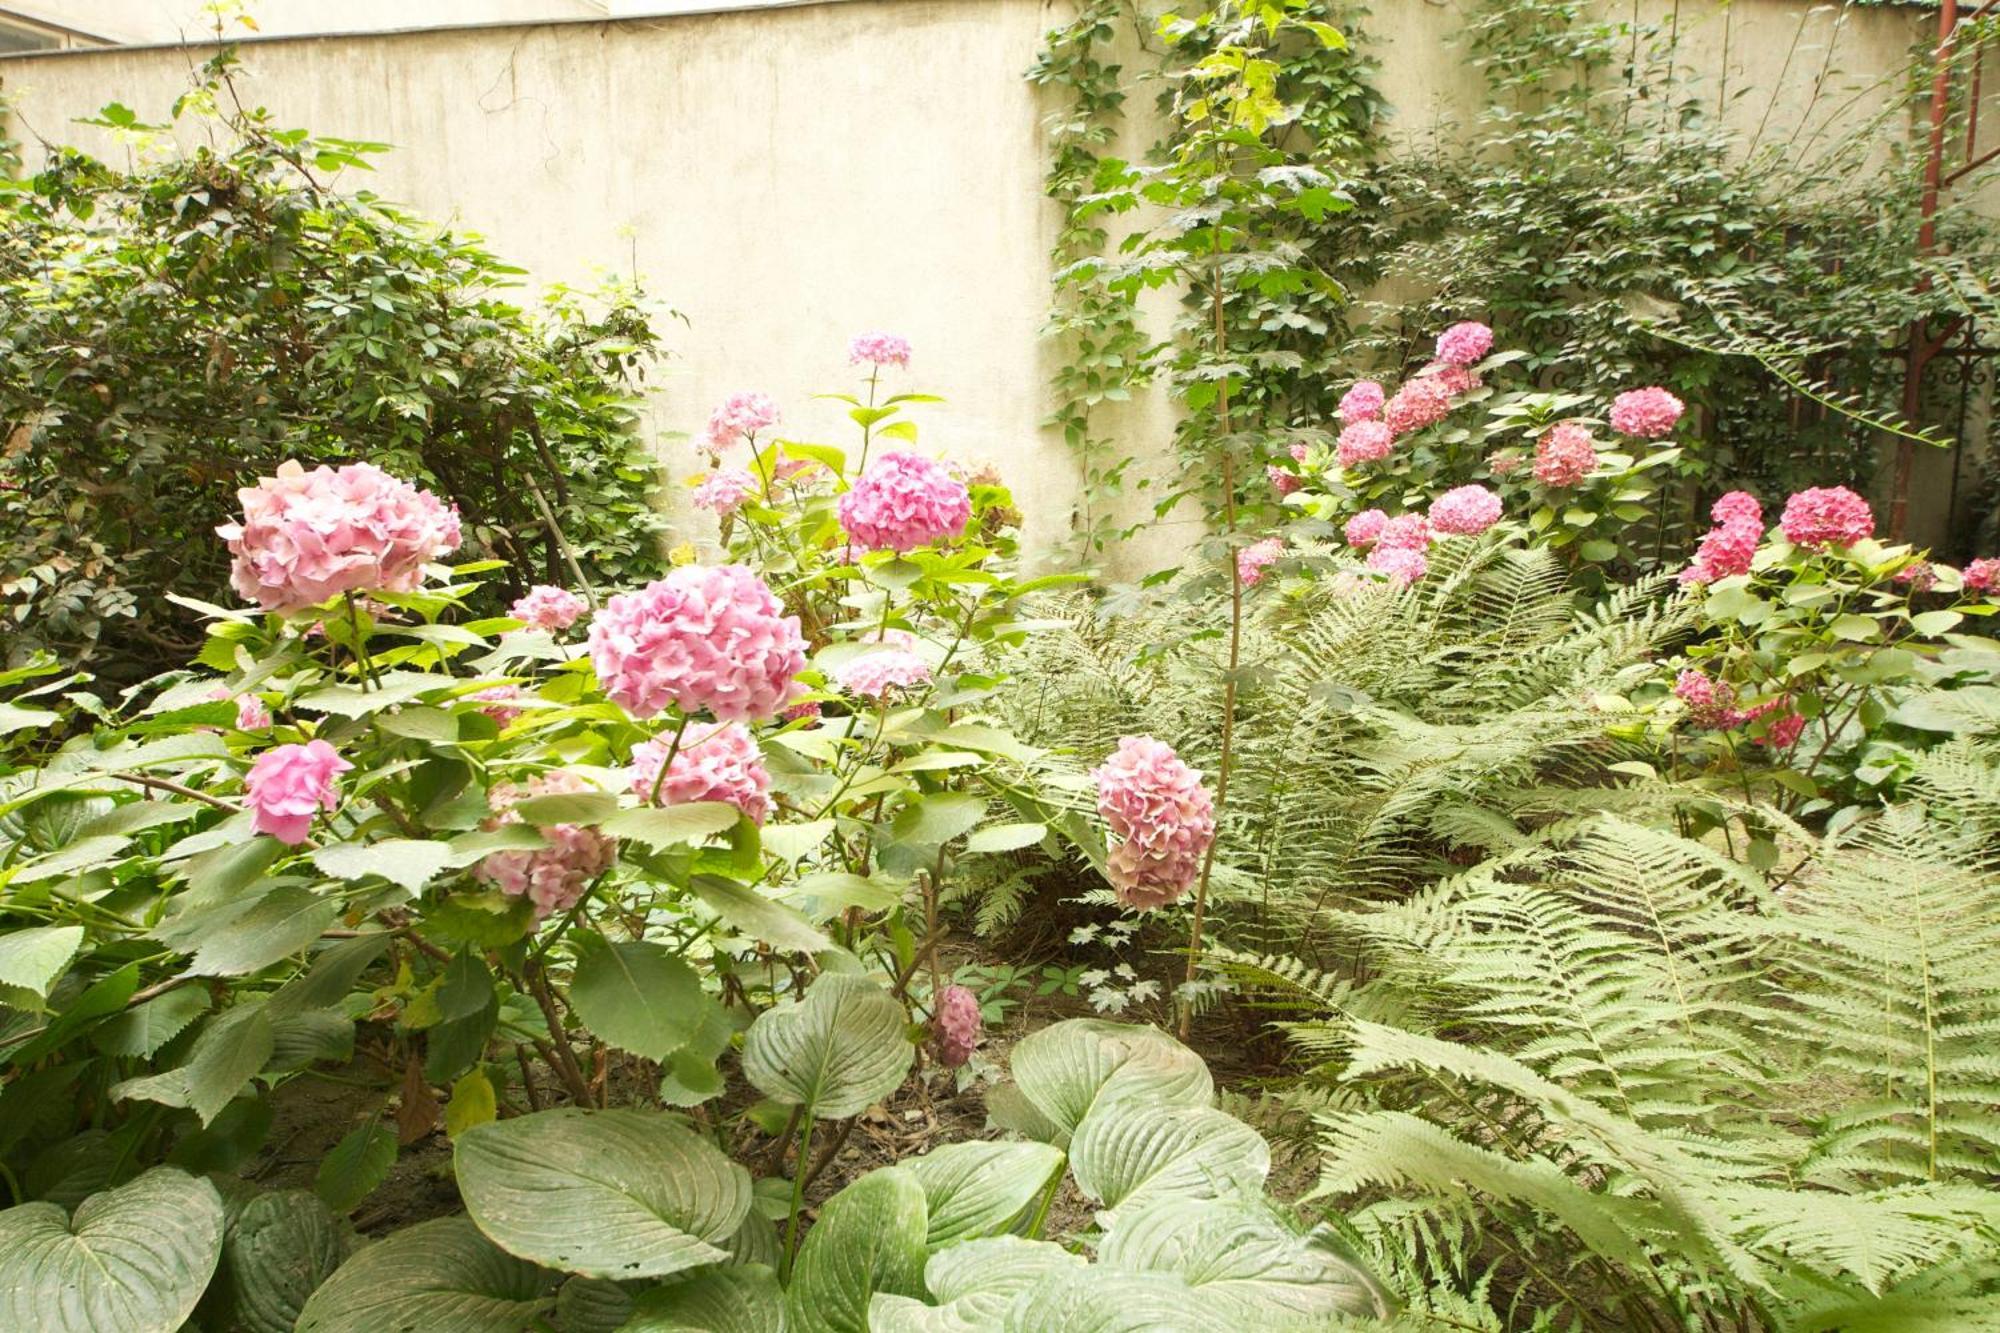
column 288, row 785
column 703, row 638
column 879, row 349
column 1465, row 511
column 1464, row 344
column 955, row 1026
column 1163, row 817
column 1646, row 414
column 1252, row 559
column 904, row 501
column 715, row 762
column 1826, row 517
column 547, row 607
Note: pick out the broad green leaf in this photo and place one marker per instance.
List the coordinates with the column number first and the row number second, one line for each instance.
column 15, row 718
column 358, row 1163
column 1006, row 837
column 838, row 1052
column 568, row 807
column 828, row 893
column 749, row 912
column 135, row 1259
column 391, row 689
column 83, row 854
column 1239, row 1256
column 924, row 824
column 636, row 995
column 1066, row 1068
column 869, row 1239
column 440, row 1276
column 31, row 960
column 279, row 1249
column 472, row 1103
column 469, row 847
column 974, row 1285
column 613, row 1194
column 307, row 1037
column 140, row 1031
column 283, row 922
column 982, row 1189
column 230, row 1051
column 673, row 825
column 717, row 1300
column 1097, row 1300
column 1133, row 1150
column 410, row 863
column 468, row 1010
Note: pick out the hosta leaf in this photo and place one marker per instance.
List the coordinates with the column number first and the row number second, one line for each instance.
column 280, row 1247
column 1095, row 1300
column 592, row 1305
column 615, row 1194
column 982, row 1189
column 717, row 1300
column 1240, row 1257
column 134, row 1259
column 440, row 1276
column 636, row 995
column 408, row 862
column 1064, row 1069
column 1132, row 1151
column 869, row 1238
column 837, row 1052
column 974, row 1285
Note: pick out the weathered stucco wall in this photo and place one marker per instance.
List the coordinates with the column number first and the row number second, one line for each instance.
column 788, row 176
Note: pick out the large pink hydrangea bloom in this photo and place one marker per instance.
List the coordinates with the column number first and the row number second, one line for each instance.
column 879, row 349
column 1252, row 560
column 1826, row 516
column 1163, row 817
column 873, row 675
column 1730, row 546
column 1365, row 528
column 1737, row 507
column 705, row 637
column 715, row 762
column 1983, row 574
column 288, row 784
column 740, row 417
column 1403, row 565
column 1565, row 455
column 306, row 537
column 1405, row 532
column 1363, row 402
column 1646, row 414
column 1464, row 344
column 1465, row 511
column 547, row 607
column 903, row 501
column 1363, row 442
column 1283, row 480
column 723, row 491
column 1454, row 380
column 552, row 877
column 1421, row 402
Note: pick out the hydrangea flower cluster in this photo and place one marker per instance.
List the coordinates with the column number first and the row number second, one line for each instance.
column 288, row 784
column 1405, row 532
column 1163, row 817
column 879, row 349
column 1454, row 380
column 1420, row 402
column 704, row 637
column 1711, row 705
column 1464, row 344
column 715, row 762
column 1650, row 413
column 308, row 537
column 1731, row 545
column 498, row 701
column 740, row 417
column 552, row 877
column 955, row 1025
column 1283, row 480
column 1465, row 511
column 1565, row 455
column 903, row 501
column 1983, row 575
column 1402, row 564
column 1825, row 517
column 1918, row 576
column 1363, row 402
column 723, row 491
column 873, row 675
column 547, row 607
column 1363, row 442
column 1365, row 528
column 1252, row 560
column 251, row 715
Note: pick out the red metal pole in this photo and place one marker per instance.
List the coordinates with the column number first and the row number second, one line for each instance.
column 1920, row 354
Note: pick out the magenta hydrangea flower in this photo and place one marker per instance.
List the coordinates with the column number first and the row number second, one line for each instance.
column 547, row 607
column 1918, row 576
column 1252, row 559
column 251, row 715
column 715, row 762
column 553, row 877
column 288, row 784
column 1825, row 517
column 1465, row 511
column 1403, row 565
column 306, row 537
column 1363, row 402
column 1464, row 344
column 1983, row 574
column 1454, row 380
column 1363, row 442
column 904, row 501
column 804, row 709
column 1365, row 528
column 702, row 638
column 740, row 417
column 1727, row 549
column 1709, row 702
column 1565, row 455
column 1646, row 414
column 1738, row 507
column 955, row 1026
column 723, row 491
column 1405, row 532
column 1163, row 817
column 497, row 701
column 873, row 675
column 879, row 349
column 1283, row 480
column 1784, row 732
column 1419, row 403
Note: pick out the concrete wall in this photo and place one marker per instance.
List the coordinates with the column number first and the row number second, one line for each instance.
column 789, row 176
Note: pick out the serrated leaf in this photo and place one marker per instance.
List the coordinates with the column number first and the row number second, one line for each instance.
column 358, row 1163
column 567, row 807
column 749, row 912
column 390, row 689
column 829, row 893
column 635, row 994
column 411, row 863
column 283, row 922
column 33, row 959
column 231, row 1050
column 838, row 1052
column 440, row 1276
column 869, row 1239
column 673, row 825
column 1006, row 837
column 140, row 1031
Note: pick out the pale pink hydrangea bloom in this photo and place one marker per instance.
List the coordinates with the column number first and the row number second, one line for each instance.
column 1826, row 516
column 1504, row 462
column 288, row 784
column 704, row 637
column 547, row 607
column 1299, row 451
column 1983, row 574
column 904, row 501
column 1163, row 817
column 955, row 1026
column 1464, row 344
column 1365, row 528
column 1465, row 511
column 1419, row 403
column 879, row 349
column 789, row 468
column 1405, row 532
column 1283, row 480
column 552, row 877
column 723, row 491
column 798, row 711
column 307, row 537
column 740, row 417
column 1646, row 414
column 1252, row 559
column 1918, row 575
column 1363, row 442
column 1454, row 380
column 251, row 715
column 1403, row 565
column 873, row 675
column 715, row 762
column 498, row 701
column 1565, row 455
column 1363, row 402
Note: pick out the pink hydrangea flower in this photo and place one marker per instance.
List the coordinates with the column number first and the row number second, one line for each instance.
column 1465, row 511
column 1252, row 559
column 1918, row 576
column 1565, row 455
column 1646, row 414
column 1464, row 344
column 1365, row 528
column 1363, row 442
column 873, row 675
column 904, row 501
column 547, row 607
column 1826, row 516
column 1738, row 507
column 879, row 349
column 1783, row 733
column 1419, row 403
column 740, row 417
column 955, row 1025
column 1454, row 380
column 1403, row 565
column 1726, row 550
column 1710, row 703
column 1504, row 462
column 552, row 877
column 1405, row 532
column 703, row 637
column 789, row 468
column 715, row 762
column 799, row 711
column 1283, row 480
column 306, row 537
column 1363, row 402
column 1163, row 817
column 498, row 701
column 1299, row 451
column 1983, row 574
column 723, row 491
column 251, row 715
column 288, row 784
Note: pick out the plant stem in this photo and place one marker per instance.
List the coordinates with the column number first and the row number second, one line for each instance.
column 798, row 1192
